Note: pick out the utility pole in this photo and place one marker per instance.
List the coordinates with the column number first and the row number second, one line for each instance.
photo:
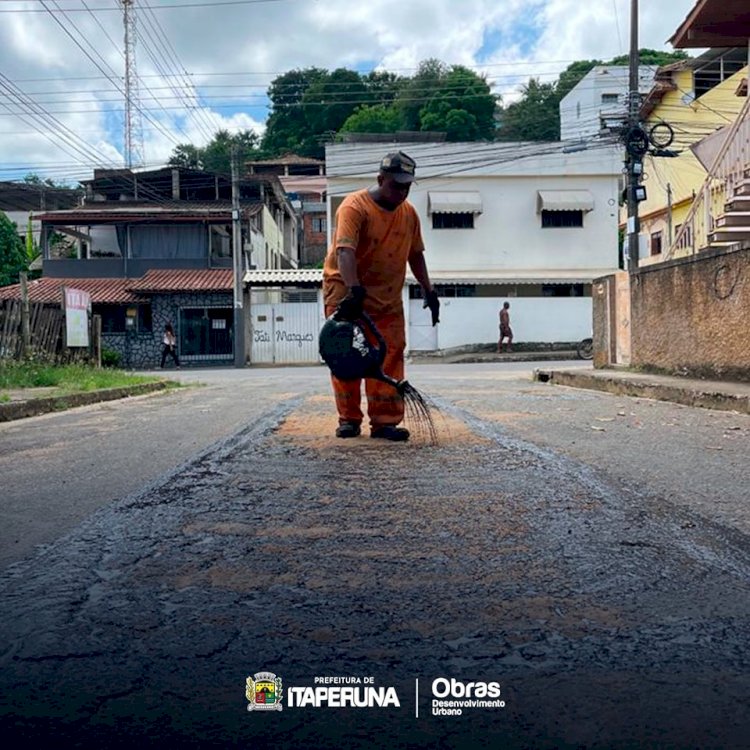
column 237, row 264
column 634, row 162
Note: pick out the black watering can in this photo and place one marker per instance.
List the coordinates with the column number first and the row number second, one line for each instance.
column 346, row 350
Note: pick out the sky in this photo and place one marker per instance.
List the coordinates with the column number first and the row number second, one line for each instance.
column 206, row 65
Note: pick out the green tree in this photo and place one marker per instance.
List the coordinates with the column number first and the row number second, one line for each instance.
column 383, row 87
column 652, row 57
column 186, row 155
column 34, row 179
column 329, row 101
column 12, row 253
column 375, row 119
column 419, row 90
column 216, row 156
column 463, row 106
column 534, row 117
column 286, row 127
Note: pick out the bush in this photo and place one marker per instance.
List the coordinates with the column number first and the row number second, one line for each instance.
column 110, row 358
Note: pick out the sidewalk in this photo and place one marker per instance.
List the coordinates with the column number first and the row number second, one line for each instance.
column 31, row 402
column 709, row 394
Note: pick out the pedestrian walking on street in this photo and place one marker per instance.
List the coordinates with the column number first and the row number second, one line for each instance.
column 169, row 341
column 505, row 329
column 377, row 234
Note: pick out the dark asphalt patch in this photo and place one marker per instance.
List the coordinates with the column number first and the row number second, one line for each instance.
column 607, row 621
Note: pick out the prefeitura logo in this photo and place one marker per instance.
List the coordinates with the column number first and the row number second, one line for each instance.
column 264, row 692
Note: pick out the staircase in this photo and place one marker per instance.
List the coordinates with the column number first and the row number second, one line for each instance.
column 733, row 226
column 720, row 214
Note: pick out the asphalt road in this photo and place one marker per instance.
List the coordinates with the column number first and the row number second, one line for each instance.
column 588, row 553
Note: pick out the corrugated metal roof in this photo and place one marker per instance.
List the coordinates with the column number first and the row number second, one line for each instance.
column 185, row 280
column 517, row 276
column 284, row 277
column 48, row 290
column 109, row 212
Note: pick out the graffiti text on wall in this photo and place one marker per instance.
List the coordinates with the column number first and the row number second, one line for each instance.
column 263, row 337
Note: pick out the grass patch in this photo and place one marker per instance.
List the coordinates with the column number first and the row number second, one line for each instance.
column 4, row 398
column 65, row 378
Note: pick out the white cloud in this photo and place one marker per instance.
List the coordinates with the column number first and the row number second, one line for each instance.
column 261, row 40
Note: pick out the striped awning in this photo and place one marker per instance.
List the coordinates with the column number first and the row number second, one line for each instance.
column 284, row 277
column 467, row 202
column 565, row 200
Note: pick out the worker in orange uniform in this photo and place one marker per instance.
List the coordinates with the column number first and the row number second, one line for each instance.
column 377, row 234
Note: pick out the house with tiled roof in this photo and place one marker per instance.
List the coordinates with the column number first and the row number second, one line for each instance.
column 156, row 247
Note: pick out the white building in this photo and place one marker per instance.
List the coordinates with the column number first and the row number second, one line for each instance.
column 599, row 99
column 524, row 222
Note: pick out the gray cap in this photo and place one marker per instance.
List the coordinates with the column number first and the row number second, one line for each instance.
column 398, row 164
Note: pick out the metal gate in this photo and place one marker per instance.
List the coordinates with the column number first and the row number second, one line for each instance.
column 285, row 332
column 423, row 336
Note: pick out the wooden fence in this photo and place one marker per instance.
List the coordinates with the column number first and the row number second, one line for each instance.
column 45, row 328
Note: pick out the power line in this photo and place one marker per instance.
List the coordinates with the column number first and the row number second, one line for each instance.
column 112, row 78
column 211, row 4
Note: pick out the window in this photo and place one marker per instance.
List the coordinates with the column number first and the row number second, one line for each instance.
column 113, row 318
column 559, row 219
column 453, row 221
column 656, row 243
column 687, row 238
column 721, row 67
column 562, row 290
column 610, row 98
column 445, row 290
column 320, row 225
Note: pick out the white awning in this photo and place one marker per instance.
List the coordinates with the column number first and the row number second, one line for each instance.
column 468, row 202
column 565, row 200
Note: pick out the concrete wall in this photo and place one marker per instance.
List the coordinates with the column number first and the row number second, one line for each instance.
column 315, row 247
column 692, row 315
column 466, row 321
column 611, row 324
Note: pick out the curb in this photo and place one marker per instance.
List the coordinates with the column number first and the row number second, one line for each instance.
column 36, row 406
column 480, row 357
column 686, row 396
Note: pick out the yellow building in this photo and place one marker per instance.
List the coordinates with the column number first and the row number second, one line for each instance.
column 696, row 97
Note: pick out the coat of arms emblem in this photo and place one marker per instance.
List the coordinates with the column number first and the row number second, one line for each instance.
column 264, row 692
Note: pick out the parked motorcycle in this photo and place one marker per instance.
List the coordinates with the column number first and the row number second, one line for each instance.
column 585, row 349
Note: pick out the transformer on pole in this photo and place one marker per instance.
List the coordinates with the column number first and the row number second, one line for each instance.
column 133, row 125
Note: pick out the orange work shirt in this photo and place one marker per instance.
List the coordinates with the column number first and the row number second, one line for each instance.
column 382, row 242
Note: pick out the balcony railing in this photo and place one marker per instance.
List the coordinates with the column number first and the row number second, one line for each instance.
column 727, row 173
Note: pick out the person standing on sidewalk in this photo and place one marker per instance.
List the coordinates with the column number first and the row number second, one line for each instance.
column 377, row 234
column 169, row 341
column 505, row 329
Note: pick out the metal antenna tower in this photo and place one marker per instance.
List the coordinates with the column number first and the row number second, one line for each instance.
column 133, row 124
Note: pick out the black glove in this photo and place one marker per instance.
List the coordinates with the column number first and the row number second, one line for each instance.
column 350, row 308
column 431, row 300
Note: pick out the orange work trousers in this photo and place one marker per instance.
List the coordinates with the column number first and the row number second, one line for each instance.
column 385, row 406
